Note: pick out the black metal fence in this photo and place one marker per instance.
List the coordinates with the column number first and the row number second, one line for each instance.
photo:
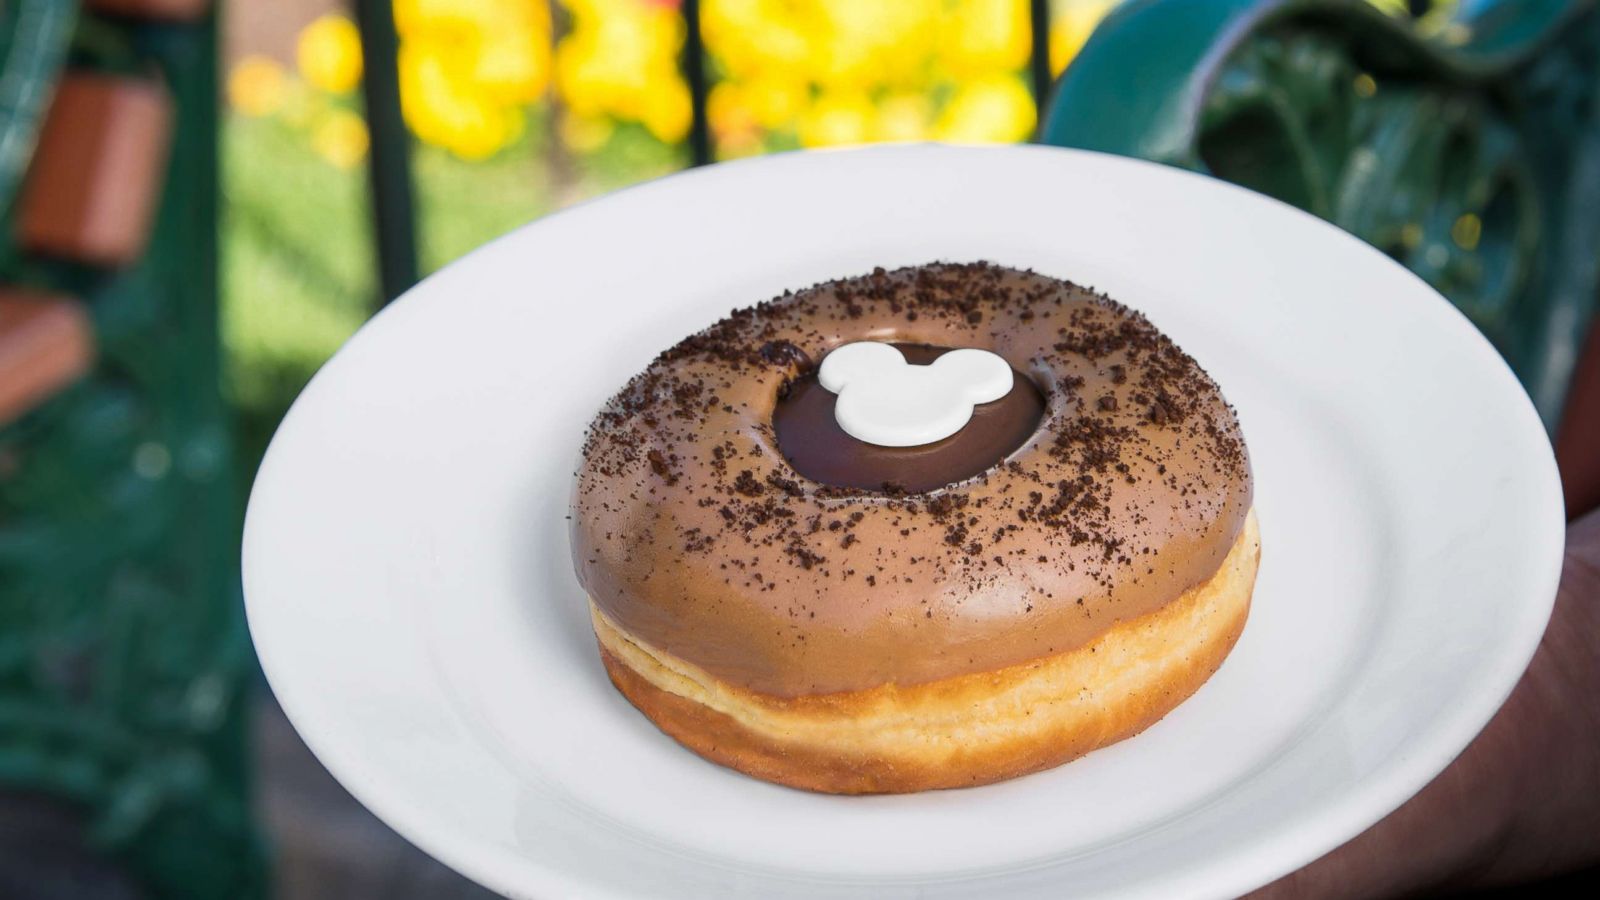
column 393, row 210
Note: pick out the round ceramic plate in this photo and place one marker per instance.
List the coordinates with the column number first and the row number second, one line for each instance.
column 412, row 599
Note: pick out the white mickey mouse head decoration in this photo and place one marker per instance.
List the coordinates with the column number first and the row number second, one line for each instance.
column 887, row 401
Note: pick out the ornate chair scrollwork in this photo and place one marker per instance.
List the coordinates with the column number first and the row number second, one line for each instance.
column 1465, row 143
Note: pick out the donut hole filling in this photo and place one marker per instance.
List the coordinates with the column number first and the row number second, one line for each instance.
column 810, row 438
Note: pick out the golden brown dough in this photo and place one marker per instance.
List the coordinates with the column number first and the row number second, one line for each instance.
column 958, row 732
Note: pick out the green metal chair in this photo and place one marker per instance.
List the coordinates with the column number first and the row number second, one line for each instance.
column 124, row 663
column 1465, row 143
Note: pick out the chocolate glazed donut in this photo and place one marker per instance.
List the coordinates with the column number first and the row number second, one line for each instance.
column 842, row 617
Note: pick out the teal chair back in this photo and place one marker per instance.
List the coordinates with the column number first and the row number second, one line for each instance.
column 1465, row 143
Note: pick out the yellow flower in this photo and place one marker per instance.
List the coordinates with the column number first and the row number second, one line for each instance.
column 1070, row 26
column 340, row 138
column 500, row 48
column 585, row 133
column 776, row 99
column 824, row 72
column 329, row 54
column 468, row 69
column 875, row 67
column 866, row 44
column 442, row 110
column 752, row 37
column 844, row 117
column 257, row 86
column 903, row 117
column 980, row 37
column 998, row 108
column 729, row 113
column 666, row 110
column 621, row 60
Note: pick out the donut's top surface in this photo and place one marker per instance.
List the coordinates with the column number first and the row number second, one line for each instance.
column 694, row 532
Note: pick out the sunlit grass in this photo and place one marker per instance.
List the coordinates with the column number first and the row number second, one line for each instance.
column 298, row 270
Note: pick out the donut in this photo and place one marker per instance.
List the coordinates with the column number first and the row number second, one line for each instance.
column 845, row 615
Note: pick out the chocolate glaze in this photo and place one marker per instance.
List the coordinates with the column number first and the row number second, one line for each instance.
column 809, row 436
column 694, row 533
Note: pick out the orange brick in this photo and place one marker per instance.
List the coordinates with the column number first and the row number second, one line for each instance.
column 45, row 344
column 96, row 174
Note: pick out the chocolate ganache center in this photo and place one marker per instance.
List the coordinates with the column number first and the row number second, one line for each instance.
column 810, row 438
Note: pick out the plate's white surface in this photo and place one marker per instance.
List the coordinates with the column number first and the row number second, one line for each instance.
column 411, row 598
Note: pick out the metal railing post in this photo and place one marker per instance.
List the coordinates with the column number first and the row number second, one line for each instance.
column 1039, row 61
column 694, row 73
column 394, row 224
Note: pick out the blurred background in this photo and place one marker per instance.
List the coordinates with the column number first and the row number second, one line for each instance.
column 203, row 200
column 521, row 107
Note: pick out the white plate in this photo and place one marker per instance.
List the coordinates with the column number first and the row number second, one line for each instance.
column 411, row 597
